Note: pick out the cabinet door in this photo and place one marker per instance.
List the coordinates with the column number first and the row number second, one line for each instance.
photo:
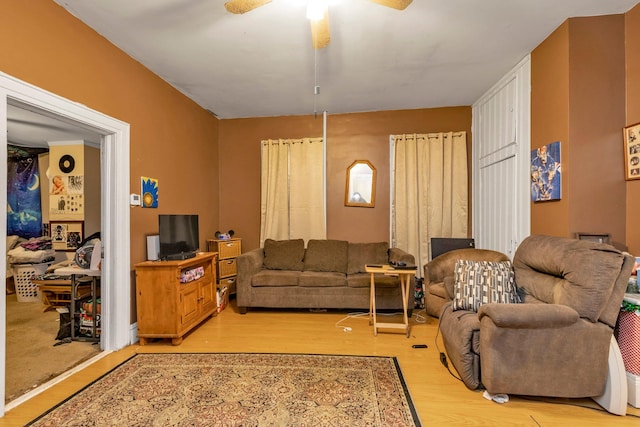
column 189, row 305
column 208, row 294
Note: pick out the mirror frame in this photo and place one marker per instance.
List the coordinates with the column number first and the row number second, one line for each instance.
column 348, row 190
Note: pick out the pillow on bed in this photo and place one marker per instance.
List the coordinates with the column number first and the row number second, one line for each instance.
column 483, row 282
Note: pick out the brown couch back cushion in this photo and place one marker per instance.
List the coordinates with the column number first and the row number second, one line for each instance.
column 361, row 254
column 327, row 255
column 284, row 254
column 576, row 273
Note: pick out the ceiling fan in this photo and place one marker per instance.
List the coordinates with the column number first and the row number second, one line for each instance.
column 317, row 12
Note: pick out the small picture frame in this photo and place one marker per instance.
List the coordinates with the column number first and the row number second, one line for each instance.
column 631, row 138
column 66, row 235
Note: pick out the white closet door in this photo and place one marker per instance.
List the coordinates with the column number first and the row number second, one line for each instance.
column 501, row 147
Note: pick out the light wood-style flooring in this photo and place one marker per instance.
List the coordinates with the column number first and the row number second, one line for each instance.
column 439, row 398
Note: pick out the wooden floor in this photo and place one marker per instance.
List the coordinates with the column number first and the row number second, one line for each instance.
column 439, row 398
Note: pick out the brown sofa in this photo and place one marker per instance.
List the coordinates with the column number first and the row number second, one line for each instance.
column 556, row 343
column 438, row 275
column 325, row 274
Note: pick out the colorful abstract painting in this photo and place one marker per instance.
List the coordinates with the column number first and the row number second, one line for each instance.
column 149, row 192
column 546, row 177
column 24, row 215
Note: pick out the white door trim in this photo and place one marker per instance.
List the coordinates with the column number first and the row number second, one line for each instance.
column 516, row 144
column 116, row 286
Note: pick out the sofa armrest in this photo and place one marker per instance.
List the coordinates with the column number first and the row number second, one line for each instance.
column 398, row 255
column 530, row 316
column 247, row 264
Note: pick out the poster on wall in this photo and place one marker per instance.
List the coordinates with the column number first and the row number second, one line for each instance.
column 66, row 197
column 66, row 205
column 149, row 192
column 632, row 152
column 546, row 176
column 66, row 235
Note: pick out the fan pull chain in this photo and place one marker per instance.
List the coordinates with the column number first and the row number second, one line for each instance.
column 316, row 88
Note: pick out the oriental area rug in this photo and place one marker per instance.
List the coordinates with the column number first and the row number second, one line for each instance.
column 242, row 389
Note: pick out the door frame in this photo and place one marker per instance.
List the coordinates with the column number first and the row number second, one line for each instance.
column 115, row 208
column 518, row 145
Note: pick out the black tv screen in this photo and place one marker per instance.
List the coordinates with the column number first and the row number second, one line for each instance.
column 178, row 236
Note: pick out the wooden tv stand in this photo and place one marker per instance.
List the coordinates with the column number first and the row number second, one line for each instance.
column 168, row 308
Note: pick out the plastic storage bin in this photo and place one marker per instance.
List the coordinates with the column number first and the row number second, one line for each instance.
column 26, row 291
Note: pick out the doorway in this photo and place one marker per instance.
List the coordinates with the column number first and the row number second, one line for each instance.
column 38, row 347
column 117, row 331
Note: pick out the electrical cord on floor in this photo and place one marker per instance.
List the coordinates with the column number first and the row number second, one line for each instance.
column 362, row 314
column 349, row 316
column 420, row 316
column 443, row 356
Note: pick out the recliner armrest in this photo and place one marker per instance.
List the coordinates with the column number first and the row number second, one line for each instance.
column 533, row 316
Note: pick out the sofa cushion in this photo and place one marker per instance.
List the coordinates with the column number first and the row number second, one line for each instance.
column 284, row 254
column 482, row 282
column 361, row 254
column 322, row 279
column 275, row 278
column 327, row 255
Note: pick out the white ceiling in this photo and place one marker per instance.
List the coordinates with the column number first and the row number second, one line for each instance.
column 435, row 53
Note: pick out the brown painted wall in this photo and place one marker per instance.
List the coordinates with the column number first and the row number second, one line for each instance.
column 578, row 99
column 349, row 137
column 596, row 117
column 44, row 45
column 550, row 123
column 172, row 138
column 632, row 38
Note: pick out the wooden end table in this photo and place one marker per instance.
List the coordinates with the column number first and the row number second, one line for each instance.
column 405, row 280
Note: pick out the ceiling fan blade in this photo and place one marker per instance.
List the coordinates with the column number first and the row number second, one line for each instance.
column 320, row 36
column 244, row 6
column 394, row 4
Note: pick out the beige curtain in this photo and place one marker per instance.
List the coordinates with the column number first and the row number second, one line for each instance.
column 292, row 201
column 430, row 190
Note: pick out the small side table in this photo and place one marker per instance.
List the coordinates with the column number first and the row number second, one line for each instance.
column 405, row 280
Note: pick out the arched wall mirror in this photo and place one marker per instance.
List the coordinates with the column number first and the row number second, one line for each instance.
column 360, row 189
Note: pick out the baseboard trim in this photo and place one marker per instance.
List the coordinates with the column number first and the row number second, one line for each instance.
column 633, row 387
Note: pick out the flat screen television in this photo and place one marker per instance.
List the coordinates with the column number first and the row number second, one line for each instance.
column 178, row 236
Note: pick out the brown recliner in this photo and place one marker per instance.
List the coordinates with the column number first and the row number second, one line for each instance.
column 556, row 343
column 438, row 275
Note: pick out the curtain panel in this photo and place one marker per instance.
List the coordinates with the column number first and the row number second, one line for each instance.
column 430, row 194
column 292, row 190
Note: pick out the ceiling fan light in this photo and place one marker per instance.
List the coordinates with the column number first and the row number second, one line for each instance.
column 315, row 9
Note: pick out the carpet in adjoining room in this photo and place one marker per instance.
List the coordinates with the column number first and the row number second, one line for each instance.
column 242, row 389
